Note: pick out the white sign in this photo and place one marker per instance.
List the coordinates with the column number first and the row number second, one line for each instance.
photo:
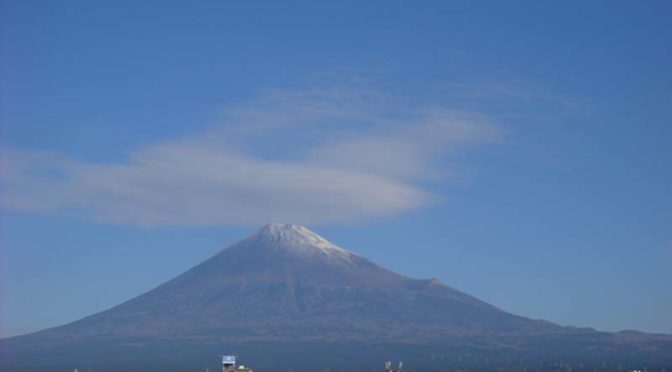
column 229, row 359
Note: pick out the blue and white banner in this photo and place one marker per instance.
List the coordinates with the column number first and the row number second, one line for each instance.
column 229, row 359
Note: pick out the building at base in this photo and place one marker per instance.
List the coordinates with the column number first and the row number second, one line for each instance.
column 229, row 365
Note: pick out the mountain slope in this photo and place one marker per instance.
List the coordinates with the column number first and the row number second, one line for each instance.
column 287, row 284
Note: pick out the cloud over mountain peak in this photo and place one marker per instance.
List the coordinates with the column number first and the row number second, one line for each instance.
column 326, row 155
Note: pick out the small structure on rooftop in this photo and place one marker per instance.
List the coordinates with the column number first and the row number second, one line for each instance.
column 229, row 365
column 389, row 368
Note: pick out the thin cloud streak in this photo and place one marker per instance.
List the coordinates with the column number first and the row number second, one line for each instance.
column 311, row 156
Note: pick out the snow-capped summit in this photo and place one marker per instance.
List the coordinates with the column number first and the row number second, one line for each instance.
column 297, row 238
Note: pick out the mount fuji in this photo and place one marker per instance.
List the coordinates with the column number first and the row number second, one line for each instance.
column 286, row 298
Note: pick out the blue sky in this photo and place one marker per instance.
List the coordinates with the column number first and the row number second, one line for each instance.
column 517, row 151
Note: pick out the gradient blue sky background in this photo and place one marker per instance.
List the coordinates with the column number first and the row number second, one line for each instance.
column 519, row 151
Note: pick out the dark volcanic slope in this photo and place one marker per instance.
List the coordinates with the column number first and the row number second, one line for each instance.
column 285, row 283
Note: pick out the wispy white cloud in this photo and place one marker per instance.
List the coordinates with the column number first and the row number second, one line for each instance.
column 317, row 155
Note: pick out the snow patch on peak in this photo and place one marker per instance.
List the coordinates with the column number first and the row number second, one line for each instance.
column 297, row 237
